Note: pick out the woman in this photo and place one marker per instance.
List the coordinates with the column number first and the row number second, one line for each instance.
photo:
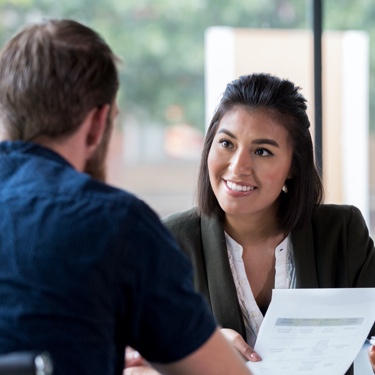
column 260, row 223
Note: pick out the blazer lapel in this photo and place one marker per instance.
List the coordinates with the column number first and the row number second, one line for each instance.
column 222, row 291
column 304, row 258
column 221, row 288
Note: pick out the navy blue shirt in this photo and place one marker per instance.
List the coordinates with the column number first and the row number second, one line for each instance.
column 86, row 269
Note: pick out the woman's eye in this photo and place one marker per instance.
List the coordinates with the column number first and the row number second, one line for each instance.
column 225, row 143
column 263, row 152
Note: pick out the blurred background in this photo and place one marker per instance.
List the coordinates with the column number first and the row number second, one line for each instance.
column 158, row 138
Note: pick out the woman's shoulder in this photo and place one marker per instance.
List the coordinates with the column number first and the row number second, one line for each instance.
column 182, row 219
column 327, row 217
column 335, row 211
column 185, row 226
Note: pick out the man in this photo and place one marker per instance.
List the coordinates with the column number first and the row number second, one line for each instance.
column 86, row 269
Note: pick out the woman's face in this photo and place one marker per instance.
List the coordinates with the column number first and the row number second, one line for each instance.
column 249, row 160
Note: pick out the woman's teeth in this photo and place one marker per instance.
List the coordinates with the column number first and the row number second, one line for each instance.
column 237, row 187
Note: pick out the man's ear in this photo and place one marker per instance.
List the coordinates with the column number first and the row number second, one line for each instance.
column 97, row 123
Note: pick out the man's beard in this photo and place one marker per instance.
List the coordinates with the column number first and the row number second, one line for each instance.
column 96, row 165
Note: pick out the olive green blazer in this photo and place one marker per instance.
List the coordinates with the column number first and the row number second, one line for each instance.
column 333, row 251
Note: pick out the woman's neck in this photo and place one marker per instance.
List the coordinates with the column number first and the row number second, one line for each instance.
column 253, row 230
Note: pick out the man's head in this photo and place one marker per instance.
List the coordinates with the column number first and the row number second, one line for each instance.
column 52, row 74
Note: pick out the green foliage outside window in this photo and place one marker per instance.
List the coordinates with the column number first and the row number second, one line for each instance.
column 161, row 42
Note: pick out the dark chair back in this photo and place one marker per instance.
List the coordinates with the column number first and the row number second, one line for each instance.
column 26, row 363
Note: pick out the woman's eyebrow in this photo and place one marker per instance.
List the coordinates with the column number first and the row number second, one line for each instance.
column 227, row 132
column 266, row 141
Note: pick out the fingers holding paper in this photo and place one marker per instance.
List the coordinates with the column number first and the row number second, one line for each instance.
column 240, row 344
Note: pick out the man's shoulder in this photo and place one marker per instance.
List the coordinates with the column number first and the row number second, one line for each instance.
column 102, row 192
column 77, row 187
column 30, row 170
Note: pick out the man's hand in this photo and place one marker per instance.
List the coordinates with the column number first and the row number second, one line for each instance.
column 240, row 344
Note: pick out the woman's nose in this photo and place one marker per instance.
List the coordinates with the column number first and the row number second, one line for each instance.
column 241, row 164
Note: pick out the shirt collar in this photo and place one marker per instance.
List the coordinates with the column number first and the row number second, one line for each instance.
column 29, row 148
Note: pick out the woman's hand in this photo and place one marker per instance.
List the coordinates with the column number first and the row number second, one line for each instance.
column 240, row 344
column 371, row 353
column 133, row 358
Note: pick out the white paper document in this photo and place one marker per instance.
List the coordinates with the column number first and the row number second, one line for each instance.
column 313, row 331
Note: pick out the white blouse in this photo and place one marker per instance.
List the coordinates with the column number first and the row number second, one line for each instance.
column 284, row 279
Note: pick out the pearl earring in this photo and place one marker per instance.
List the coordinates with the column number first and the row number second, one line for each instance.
column 285, row 189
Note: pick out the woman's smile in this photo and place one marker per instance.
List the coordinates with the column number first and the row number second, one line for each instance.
column 238, row 187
